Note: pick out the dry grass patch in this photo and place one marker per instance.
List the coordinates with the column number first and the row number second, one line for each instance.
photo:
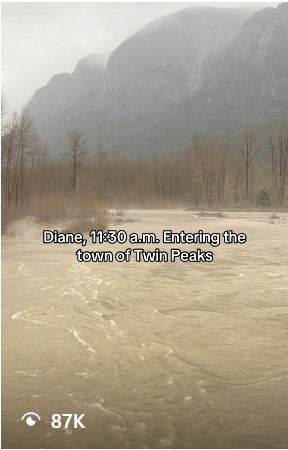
column 7, row 217
column 85, row 225
column 52, row 208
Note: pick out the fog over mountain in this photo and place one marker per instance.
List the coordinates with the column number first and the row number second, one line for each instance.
column 250, row 81
column 200, row 68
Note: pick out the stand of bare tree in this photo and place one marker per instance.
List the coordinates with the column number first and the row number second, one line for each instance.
column 213, row 171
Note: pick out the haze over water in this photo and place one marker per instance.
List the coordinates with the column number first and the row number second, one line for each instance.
column 156, row 355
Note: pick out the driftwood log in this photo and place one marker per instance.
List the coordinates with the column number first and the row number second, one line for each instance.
column 206, row 214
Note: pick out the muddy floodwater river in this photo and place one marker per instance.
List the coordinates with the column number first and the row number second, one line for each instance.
column 155, row 354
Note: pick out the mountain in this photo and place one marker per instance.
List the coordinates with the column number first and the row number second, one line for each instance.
column 199, row 69
column 250, row 81
column 168, row 60
column 63, row 103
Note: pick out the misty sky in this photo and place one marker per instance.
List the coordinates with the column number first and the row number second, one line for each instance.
column 40, row 40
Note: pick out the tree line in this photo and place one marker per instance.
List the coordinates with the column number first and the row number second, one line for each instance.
column 212, row 171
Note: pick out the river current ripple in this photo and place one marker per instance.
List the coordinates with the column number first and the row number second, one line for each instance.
column 156, row 355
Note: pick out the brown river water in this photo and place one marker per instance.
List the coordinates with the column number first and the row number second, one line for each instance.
column 156, row 355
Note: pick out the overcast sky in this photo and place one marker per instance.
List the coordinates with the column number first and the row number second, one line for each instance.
column 40, row 40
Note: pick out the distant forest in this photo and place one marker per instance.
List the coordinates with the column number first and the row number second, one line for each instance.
column 241, row 170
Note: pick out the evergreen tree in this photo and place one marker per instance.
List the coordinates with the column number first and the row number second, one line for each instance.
column 264, row 199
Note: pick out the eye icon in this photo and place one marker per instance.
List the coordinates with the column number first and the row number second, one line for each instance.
column 29, row 419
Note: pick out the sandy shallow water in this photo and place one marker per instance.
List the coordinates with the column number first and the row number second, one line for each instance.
column 156, row 355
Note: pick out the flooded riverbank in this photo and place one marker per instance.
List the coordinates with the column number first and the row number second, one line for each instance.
column 156, row 355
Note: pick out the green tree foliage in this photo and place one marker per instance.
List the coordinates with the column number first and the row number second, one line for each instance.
column 264, row 199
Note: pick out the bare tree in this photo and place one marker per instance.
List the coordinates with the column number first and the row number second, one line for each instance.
column 10, row 156
column 101, row 162
column 26, row 136
column 277, row 142
column 3, row 108
column 35, row 155
column 247, row 147
column 43, row 159
column 77, row 152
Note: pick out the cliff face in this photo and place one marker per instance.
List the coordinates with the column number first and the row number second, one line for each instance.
column 51, row 99
column 200, row 69
column 168, row 60
column 250, row 82
column 67, row 99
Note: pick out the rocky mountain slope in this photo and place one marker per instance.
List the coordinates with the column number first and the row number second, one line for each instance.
column 198, row 69
column 63, row 103
column 250, row 81
column 168, row 60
